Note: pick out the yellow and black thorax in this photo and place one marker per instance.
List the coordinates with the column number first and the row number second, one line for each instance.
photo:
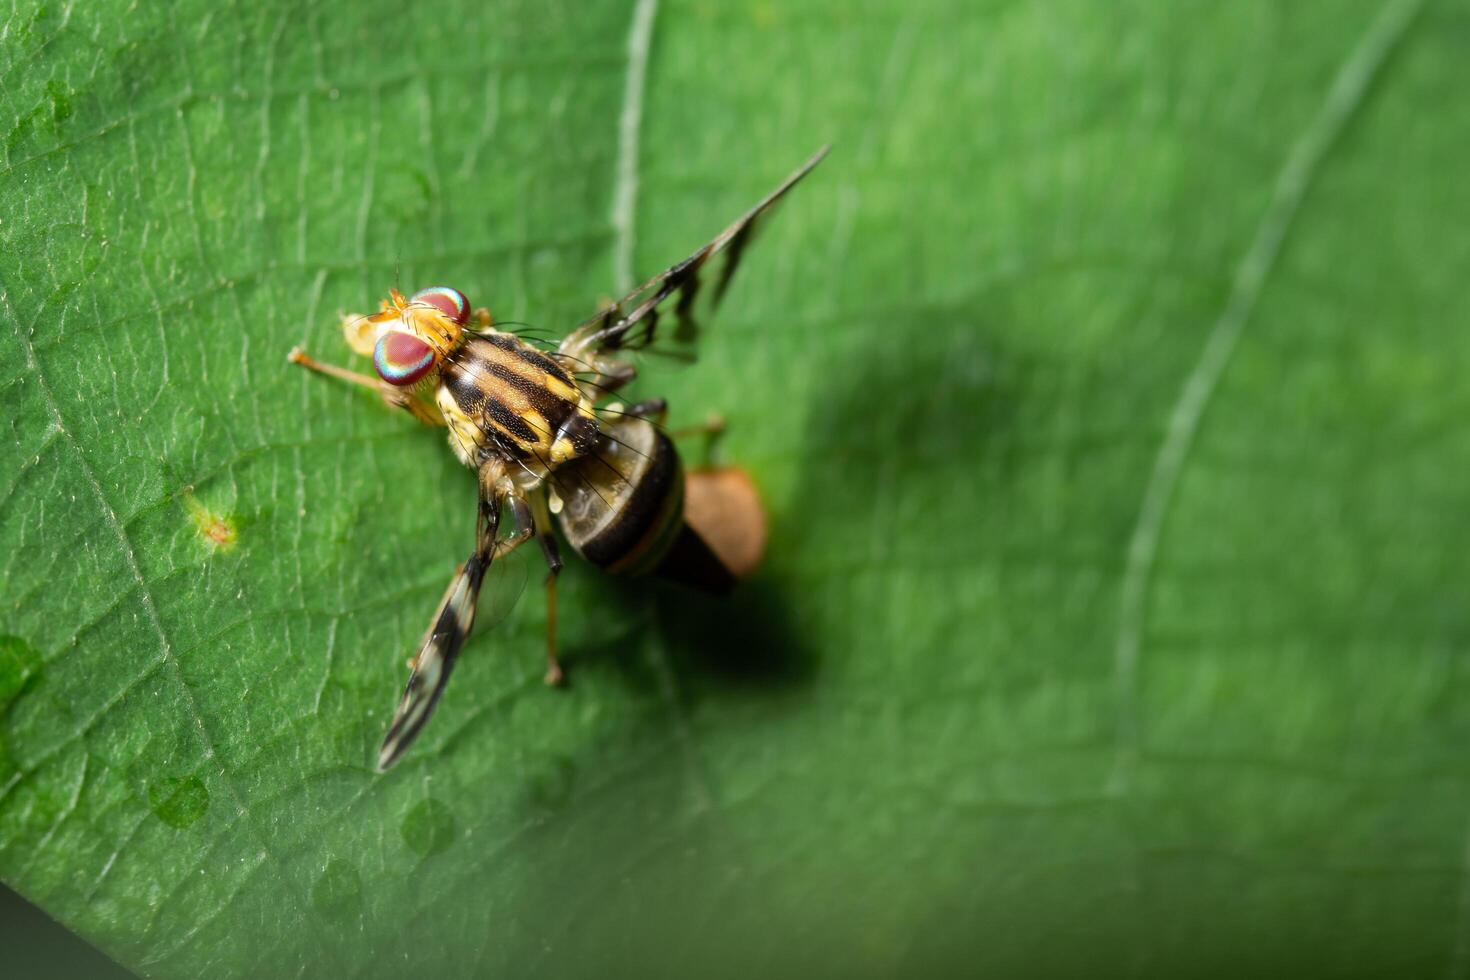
column 501, row 396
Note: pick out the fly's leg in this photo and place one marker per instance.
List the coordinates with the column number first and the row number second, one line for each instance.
column 392, row 397
column 653, row 409
column 549, row 550
column 299, row 356
column 534, row 520
column 555, row 676
column 712, row 428
column 597, row 374
column 656, row 410
column 525, row 526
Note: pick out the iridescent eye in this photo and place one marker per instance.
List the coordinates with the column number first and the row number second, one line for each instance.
column 447, row 300
column 401, row 358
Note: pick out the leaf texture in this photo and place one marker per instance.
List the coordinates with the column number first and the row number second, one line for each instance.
column 1105, row 386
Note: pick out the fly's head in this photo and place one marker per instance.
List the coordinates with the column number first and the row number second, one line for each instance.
column 408, row 338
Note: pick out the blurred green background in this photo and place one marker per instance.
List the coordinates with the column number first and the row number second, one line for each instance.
column 1105, row 385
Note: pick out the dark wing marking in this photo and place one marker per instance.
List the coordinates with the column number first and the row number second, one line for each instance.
column 436, row 657
column 447, row 632
column 630, row 323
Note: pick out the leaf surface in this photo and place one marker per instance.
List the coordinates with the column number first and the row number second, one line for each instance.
column 1105, row 386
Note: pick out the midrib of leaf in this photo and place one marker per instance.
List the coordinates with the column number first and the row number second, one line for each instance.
column 630, row 122
column 1346, row 95
column 623, row 219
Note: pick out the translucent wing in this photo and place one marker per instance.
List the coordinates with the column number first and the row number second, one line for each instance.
column 436, row 657
column 630, row 323
column 504, row 585
column 450, row 626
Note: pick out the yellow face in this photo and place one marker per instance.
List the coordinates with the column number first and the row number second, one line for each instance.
column 407, row 338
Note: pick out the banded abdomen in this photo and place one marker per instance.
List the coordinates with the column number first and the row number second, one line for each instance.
column 501, row 395
column 623, row 509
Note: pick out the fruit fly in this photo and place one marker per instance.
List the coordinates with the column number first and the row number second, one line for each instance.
column 528, row 422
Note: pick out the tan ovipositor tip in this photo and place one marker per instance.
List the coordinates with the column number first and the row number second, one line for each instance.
column 724, row 507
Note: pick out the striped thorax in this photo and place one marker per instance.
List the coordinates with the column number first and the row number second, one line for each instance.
column 501, row 396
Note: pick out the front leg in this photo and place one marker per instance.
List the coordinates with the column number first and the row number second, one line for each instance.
column 392, row 397
column 525, row 526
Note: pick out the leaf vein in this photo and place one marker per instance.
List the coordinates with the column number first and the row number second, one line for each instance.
column 145, row 596
column 1303, row 165
column 630, row 122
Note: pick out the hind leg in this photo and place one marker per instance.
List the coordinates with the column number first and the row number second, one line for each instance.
column 541, row 516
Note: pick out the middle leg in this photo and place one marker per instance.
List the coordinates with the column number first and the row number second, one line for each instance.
column 552, row 553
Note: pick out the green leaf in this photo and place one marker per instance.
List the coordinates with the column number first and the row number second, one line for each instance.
column 1105, row 385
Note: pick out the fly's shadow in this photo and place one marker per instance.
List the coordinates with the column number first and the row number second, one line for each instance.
column 926, row 420
column 742, row 644
column 937, row 416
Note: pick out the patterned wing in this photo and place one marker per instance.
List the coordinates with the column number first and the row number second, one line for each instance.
column 453, row 620
column 631, row 322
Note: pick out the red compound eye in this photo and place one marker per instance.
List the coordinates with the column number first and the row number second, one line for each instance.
column 447, row 300
column 401, row 358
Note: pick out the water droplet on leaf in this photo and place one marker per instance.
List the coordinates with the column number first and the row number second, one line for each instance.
column 338, row 889
column 178, row 802
column 428, row 829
